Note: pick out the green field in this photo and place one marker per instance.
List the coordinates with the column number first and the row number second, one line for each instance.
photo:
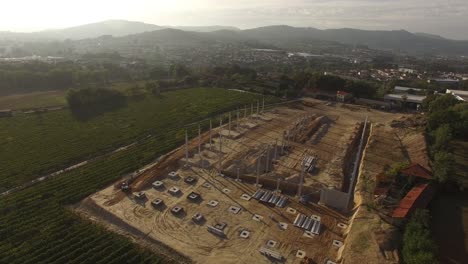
column 35, row 225
column 33, row 100
column 33, row 145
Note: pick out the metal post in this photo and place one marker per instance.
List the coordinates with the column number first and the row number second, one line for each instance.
column 245, row 111
column 237, row 120
column 199, row 145
column 258, row 107
column 278, row 184
column 258, row 171
column 211, row 142
column 229, row 126
column 301, row 181
column 276, row 150
column 186, row 148
column 220, row 154
column 267, row 159
column 251, row 110
column 263, row 104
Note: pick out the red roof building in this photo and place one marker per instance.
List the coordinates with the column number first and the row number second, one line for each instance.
column 418, row 171
column 418, row 197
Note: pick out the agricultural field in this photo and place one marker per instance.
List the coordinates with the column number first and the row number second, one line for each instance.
column 33, row 100
column 37, row 144
column 49, row 232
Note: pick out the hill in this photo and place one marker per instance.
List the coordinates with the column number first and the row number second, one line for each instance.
column 394, row 40
column 110, row 27
column 287, row 37
column 116, row 28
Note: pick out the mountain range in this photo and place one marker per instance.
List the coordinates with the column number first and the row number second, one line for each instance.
column 281, row 36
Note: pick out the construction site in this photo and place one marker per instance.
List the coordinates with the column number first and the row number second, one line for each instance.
column 265, row 184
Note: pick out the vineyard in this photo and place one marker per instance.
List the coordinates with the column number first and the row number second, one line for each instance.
column 36, row 144
column 36, row 226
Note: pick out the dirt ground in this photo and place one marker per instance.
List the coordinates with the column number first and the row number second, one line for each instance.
column 328, row 136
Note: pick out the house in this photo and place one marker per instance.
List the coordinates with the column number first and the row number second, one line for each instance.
column 420, row 195
column 6, row 113
column 374, row 103
column 410, row 100
column 460, row 95
column 343, row 96
column 418, row 171
column 417, row 198
column 406, row 90
column 444, row 81
column 407, row 70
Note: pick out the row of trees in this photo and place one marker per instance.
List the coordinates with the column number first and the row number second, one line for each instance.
column 418, row 245
column 88, row 102
column 36, row 76
column 331, row 83
column 447, row 119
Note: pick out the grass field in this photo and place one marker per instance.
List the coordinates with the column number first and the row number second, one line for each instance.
column 35, row 225
column 33, row 100
column 34, row 145
column 53, row 98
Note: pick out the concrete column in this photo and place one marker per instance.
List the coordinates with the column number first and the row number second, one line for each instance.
column 238, row 173
column 278, row 180
column 258, row 107
column 251, row 110
column 245, row 111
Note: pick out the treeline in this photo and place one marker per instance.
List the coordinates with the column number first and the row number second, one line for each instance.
column 447, row 119
column 88, row 102
column 285, row 85
column 38, row 76
column 418, row 245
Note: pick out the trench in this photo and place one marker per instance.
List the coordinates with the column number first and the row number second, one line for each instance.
column 352, row 159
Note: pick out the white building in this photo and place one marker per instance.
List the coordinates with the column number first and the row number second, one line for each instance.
column 402, row 89
column 460, row 95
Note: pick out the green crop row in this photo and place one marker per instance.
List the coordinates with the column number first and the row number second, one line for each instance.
column 36, row 226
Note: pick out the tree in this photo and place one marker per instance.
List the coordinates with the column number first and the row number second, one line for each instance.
column 179, row 71
column 418, row 245
column 153, row 87
column 158, row 72
column 460, row 126
column 395, row 169
column 442, row 136
column 443, row 165
column 442, row 103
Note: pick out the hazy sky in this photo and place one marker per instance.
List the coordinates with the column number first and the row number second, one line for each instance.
column 445, row 17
